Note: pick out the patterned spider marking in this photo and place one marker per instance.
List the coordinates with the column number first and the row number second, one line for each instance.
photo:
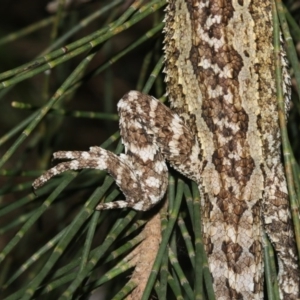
column 150, row 133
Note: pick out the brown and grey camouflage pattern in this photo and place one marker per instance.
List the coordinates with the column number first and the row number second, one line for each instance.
column 220, row 72
column 151, row 134
column 220, row 75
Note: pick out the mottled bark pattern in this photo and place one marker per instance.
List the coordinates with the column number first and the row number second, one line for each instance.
column 219, row 66
column 221, row 80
